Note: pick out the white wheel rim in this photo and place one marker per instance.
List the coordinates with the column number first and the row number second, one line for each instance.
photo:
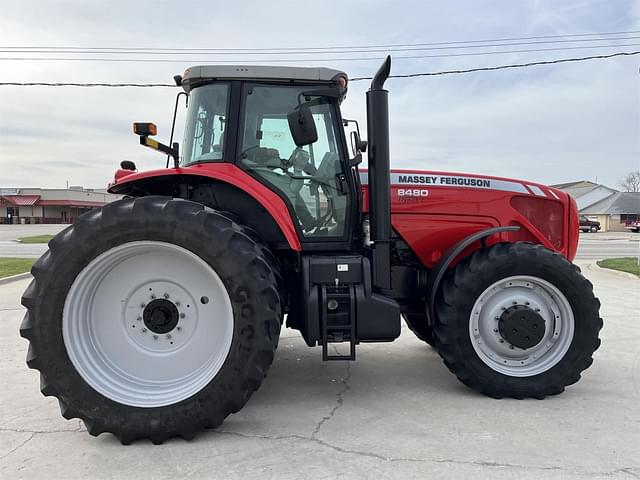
column 543, row 298
column 106, row 328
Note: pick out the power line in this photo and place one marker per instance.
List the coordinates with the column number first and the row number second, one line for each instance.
column 502, row 67
column 134, row 51
column 355, row 79
column 307, row 60
column 336, row 47
column 73, row 84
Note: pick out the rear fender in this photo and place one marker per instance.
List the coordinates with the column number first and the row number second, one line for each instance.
column 183, row 182
column 437, row 272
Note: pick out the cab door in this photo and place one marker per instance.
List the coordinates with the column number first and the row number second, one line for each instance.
column 310, row 179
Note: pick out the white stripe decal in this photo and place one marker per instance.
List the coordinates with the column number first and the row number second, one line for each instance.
column 432, row 180
column 537, row 190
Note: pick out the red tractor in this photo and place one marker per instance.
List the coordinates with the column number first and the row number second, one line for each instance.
column 158, row 315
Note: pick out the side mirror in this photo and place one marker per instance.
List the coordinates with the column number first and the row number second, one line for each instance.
column 302, row 127
column 356, row 144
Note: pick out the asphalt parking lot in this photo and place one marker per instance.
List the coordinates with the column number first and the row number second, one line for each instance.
column 395, row 412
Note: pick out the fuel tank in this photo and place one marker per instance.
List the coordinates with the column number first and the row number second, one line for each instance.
column 431, row 211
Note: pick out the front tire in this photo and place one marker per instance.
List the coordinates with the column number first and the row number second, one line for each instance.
column 517, row 320
column 151, row 318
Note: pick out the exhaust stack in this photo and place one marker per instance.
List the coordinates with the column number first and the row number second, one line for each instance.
column 379, row 176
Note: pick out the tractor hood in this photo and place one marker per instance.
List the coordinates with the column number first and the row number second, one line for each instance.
column 430, row 210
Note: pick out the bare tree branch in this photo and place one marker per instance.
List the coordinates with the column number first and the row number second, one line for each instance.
column 631, row 182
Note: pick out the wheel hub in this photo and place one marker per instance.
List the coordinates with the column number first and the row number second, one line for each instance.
column 521, row 326
column 501, row 308
column 160, row 316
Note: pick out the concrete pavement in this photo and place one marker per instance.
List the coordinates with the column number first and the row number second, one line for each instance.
column 9, row 233
column 595, row 246
column 396, row 412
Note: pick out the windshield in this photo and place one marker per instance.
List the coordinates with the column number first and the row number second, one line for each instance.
column 204, row 134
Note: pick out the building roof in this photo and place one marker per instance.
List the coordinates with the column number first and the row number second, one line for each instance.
column 580, row 189
column 620, row 203
column 21, row 200
column 577, row 184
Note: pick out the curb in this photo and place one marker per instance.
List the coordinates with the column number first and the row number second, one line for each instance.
column 14, row 278
column 615, row 272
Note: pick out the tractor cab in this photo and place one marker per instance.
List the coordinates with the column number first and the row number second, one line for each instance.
column 283, row 127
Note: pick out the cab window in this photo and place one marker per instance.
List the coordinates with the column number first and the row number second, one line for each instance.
column 308, row 177
column 205, row 128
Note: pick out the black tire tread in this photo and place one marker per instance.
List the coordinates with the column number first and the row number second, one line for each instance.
column 252, row 258
column 419, row 325
column 459, row 285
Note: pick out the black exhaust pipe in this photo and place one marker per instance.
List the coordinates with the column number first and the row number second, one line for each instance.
column 379, row 176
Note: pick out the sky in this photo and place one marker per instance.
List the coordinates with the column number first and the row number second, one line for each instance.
column 551, row 124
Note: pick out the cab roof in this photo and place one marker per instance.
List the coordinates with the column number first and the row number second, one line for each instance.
column 195, row 75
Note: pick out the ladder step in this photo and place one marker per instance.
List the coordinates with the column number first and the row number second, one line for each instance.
column 339, row 324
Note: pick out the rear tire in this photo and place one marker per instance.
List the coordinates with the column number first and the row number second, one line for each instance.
column 420, row 327
column 239, row 314
column 493, row 287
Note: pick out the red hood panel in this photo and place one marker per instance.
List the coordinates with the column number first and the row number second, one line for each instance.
column 427, row 205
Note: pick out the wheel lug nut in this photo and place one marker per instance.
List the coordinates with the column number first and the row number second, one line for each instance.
column 182, row 315
column 178, row 328
column 511, row 347
column 166, row 295
column 155, row 337
column 177, row 304
column 144, row 329
column 514, row 302
column 142, row 305
column 495, row 330
column 168, row 336
column 139, row 318
column 501, row 341
column 153, row 296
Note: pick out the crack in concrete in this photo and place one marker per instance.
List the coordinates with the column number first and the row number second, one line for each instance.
column 339, row 402
column 32, row 435
column 15, row 449
column 316, row 441
column 79, row 428
column 627, row 470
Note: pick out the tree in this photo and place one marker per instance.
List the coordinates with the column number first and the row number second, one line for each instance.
column 631, row 182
